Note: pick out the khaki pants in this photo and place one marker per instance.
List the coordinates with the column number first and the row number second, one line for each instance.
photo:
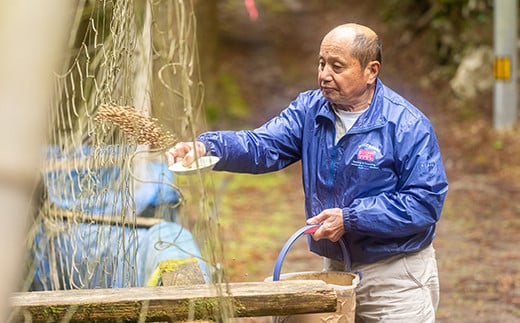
column 402, row 288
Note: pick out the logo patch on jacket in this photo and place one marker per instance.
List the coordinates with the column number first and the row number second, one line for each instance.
column 364, row 154
column 367, row 157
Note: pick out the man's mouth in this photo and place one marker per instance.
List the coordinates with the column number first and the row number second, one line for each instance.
column 326, row 89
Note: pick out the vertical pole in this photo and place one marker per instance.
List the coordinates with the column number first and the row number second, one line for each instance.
column 505, row 66
column 32, row 34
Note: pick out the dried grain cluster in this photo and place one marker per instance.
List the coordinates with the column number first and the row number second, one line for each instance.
column 141, row 128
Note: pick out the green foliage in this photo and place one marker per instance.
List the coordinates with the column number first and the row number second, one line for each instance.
column 257, row 210
column 452, row 24
column 498, row 144
column 236, row 105
column 229, row 103
column 272, row 5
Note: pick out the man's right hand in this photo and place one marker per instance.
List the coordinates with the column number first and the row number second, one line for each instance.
column 184, row 151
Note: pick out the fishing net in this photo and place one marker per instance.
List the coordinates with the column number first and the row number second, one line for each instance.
column 109, row 213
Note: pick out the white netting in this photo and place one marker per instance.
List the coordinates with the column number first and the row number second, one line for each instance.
column 108, row 213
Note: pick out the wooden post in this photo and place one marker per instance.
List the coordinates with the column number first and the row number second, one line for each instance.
column 33, row 36
column 174, row 303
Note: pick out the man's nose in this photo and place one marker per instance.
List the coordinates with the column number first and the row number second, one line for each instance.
column 325, row 74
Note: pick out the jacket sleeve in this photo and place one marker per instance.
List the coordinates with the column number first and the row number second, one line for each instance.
column 415, row 205
column 271, row 147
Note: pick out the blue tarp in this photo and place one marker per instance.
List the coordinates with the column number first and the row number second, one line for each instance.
column 94, row 191
column 88, row 255
column 101, row 256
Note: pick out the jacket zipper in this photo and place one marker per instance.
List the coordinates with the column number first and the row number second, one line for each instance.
column 330, row 181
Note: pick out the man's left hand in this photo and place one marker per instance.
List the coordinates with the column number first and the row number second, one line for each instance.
column 332, row 226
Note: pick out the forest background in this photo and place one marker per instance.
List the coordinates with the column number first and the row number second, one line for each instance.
column 252, row 67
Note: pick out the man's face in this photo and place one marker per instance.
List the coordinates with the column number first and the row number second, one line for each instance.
column 341, row 78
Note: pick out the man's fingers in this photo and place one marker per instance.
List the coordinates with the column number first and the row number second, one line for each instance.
column 177, row 153
column 189, row 158
column 316, row 219
column 185, row 153
column 181, row 149
column 331, row 228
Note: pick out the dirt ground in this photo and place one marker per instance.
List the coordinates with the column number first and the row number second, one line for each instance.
column 477, row 239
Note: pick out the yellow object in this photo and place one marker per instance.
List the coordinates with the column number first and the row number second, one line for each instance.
column 502, row 68
column 176, row 272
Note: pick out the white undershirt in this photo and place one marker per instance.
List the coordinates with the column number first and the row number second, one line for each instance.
column 344, row 121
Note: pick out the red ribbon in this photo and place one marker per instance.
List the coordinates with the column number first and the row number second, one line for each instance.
column 251, row 9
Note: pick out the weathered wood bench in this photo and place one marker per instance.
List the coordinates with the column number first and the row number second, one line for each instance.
column 174, row 303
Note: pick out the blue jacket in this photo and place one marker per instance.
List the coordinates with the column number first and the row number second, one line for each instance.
column 386, row 173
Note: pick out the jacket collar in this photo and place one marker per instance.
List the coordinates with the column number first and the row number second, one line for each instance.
column 371, row 119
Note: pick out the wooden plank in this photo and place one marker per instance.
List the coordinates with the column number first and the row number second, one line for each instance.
column 174, row 303
column 139, row 222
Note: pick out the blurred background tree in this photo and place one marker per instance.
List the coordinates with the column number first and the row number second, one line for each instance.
column 253, row 67
column 450, row 25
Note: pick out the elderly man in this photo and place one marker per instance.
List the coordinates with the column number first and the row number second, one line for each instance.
column 372, row 173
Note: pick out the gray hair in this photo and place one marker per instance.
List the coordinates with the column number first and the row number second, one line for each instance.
column 366, row 49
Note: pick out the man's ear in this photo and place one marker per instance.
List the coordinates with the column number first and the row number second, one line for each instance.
column 372, row 71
